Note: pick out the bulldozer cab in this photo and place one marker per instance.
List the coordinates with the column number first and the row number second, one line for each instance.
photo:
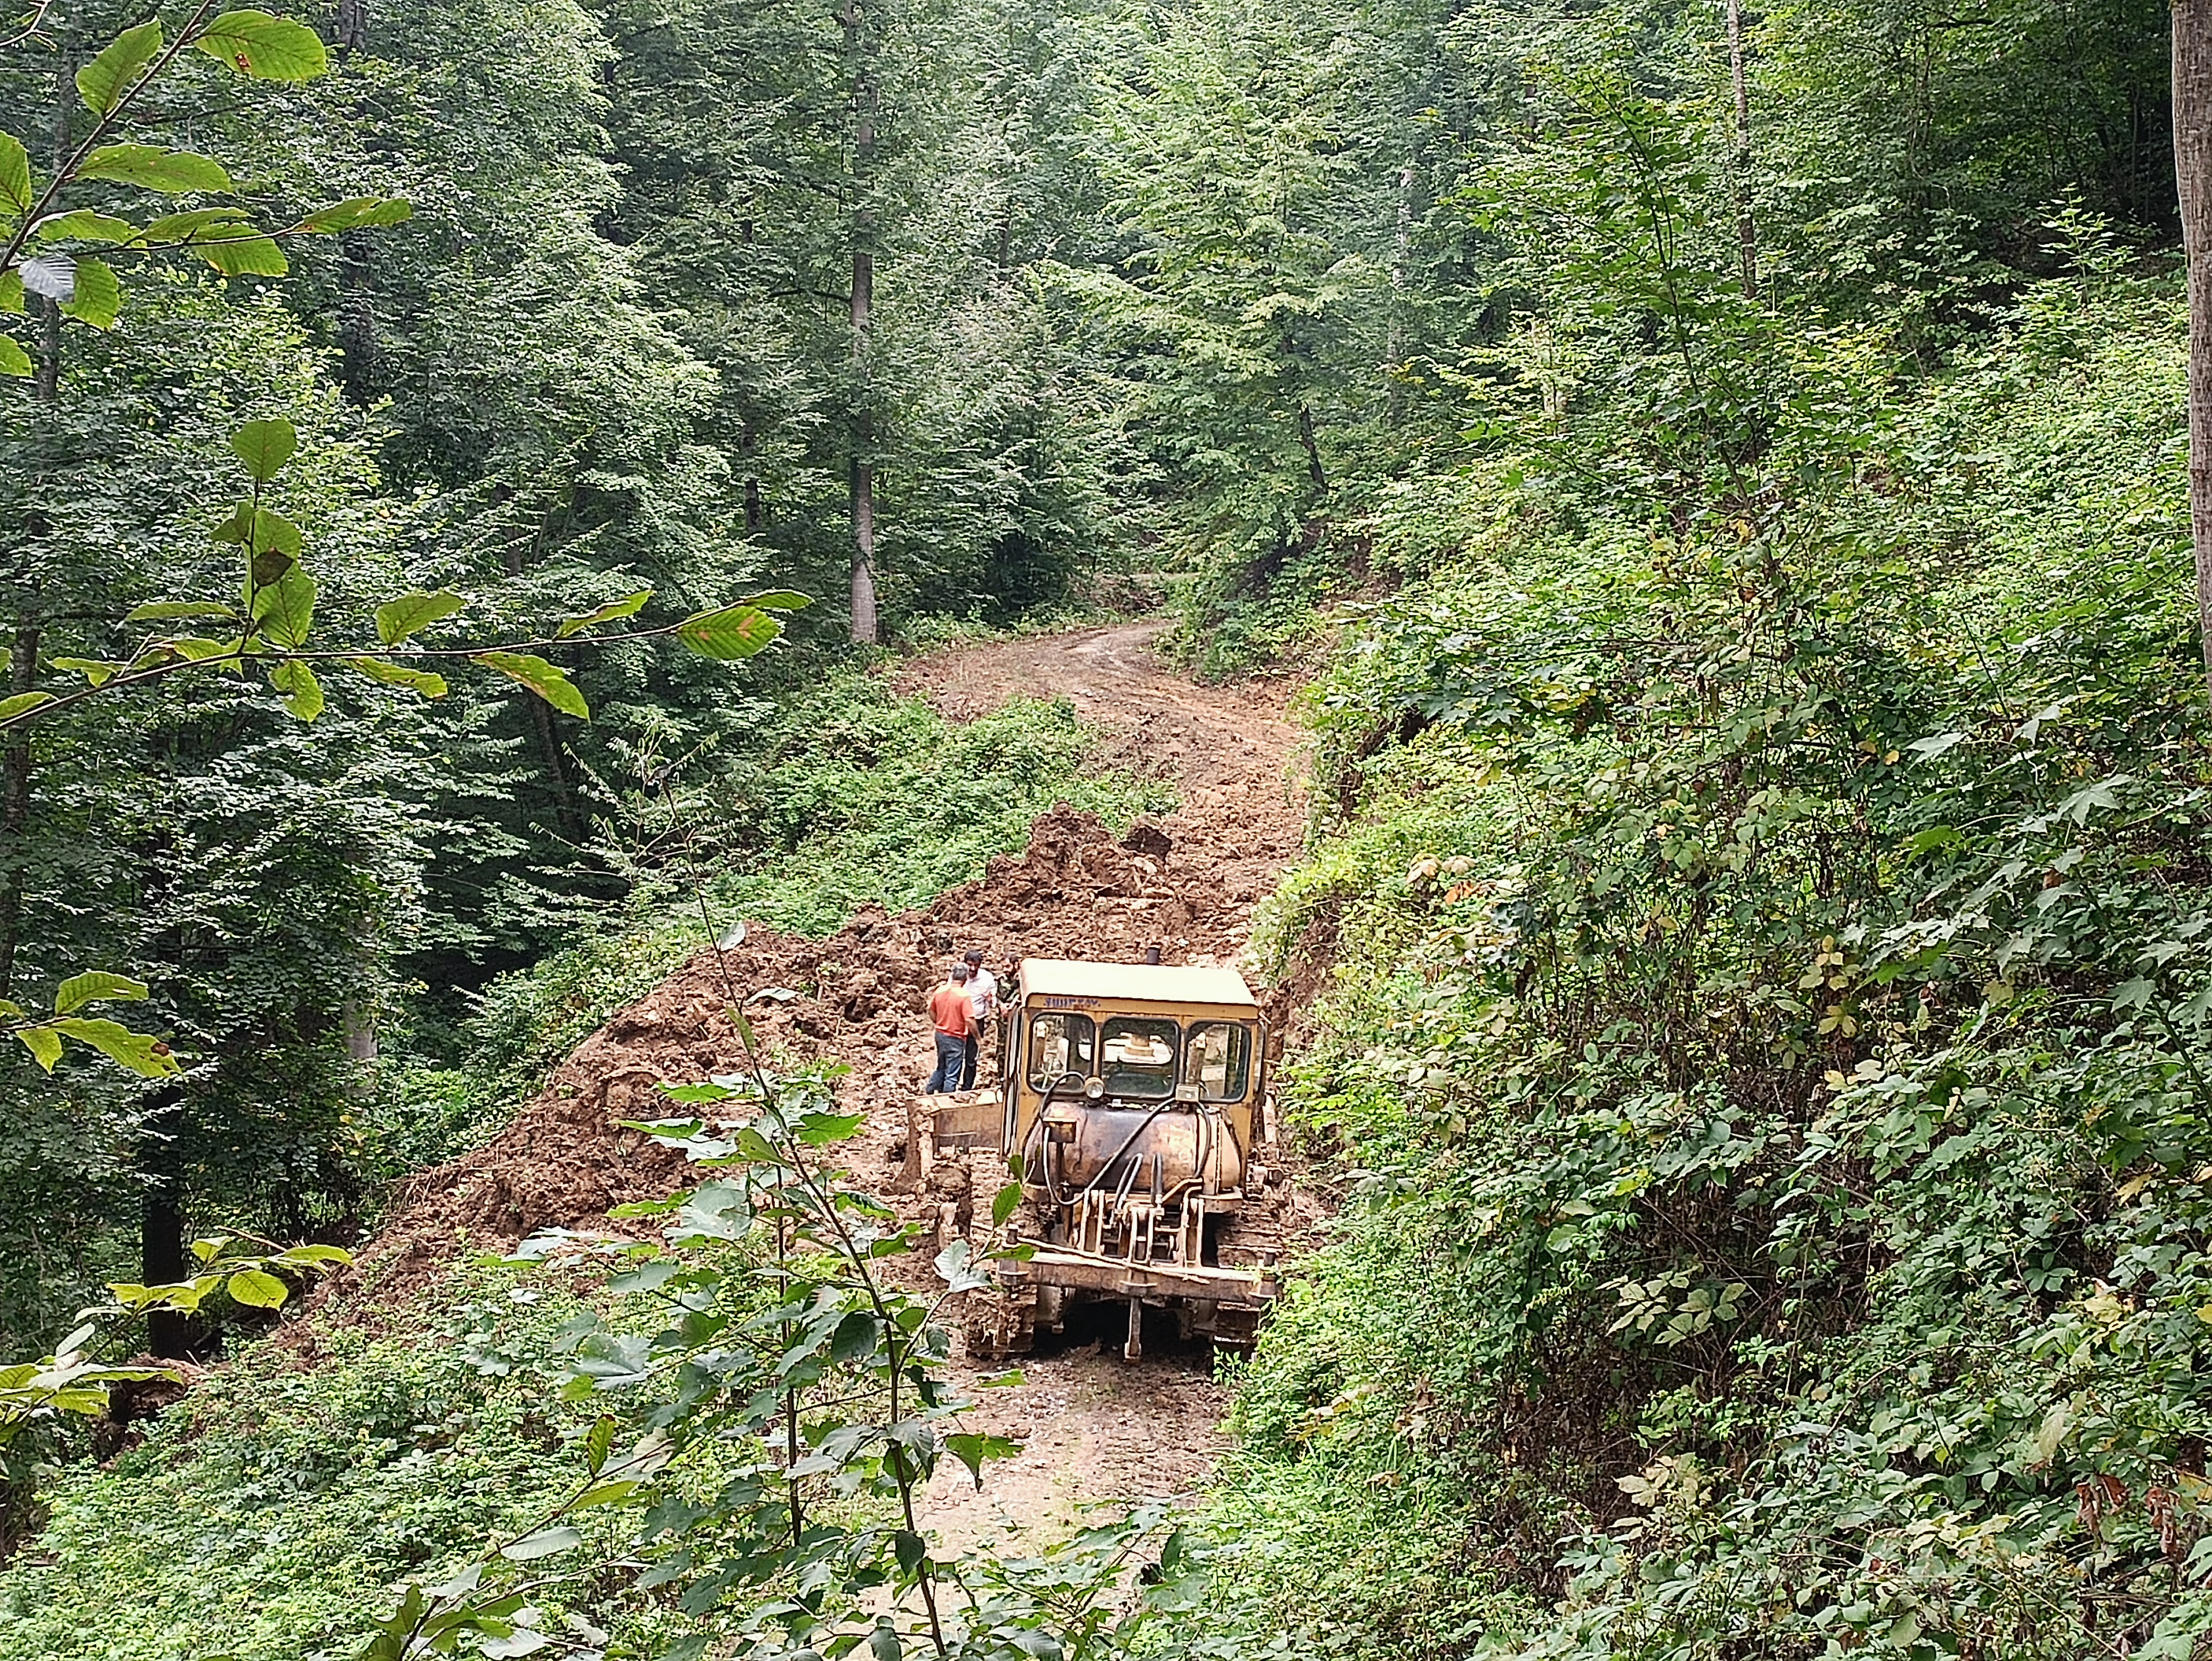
column 1129, row 1103
column 1147, row 1038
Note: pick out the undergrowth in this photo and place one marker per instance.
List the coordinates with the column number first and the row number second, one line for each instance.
column 1764, row 1047
column 261, row 1517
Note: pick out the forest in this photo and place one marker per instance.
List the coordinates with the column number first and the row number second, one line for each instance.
column 1714, row 483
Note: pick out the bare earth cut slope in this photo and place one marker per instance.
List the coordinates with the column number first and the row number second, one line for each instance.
column 1092, row 1427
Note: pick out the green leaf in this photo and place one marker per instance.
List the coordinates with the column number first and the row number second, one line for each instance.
column 972, row 1450
column 14, row 360
column 95, row 670
column 543, row 1543
column 781, row 600
column 303, row 693
column 22, row 704
column 164, row 611
column 627, row 606
column 732, row 632
column 597, row 1443
column 82, row 225
column 398, row 674
column 44, row 1043
column 285, row 608
column 1006, row 1202
column 542, row 678
column 173, row 172
column 147, row 1056
column 266, row 47
column 193, row 225
column 95, row 985
column 820, row 1129
column 251, row 255
column 198, row 648
column 396, row 619
column 11, row 292
column 264, row 531
column 357, row 213
column 99, row 296
column 104, row 80
column 15, row 173
column 257, row 1288
column 315, row 1254
column 264, row 447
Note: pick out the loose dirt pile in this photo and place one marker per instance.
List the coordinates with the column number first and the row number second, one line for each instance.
column 860, row 996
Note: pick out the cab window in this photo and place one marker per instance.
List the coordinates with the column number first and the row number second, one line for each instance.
column 1060, row 1044
column 1216, row 1057
column 1140, row 1057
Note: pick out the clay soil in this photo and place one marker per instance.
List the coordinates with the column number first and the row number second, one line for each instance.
column 1094, row 1427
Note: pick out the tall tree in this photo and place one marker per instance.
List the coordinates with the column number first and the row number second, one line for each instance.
column 2192, row 168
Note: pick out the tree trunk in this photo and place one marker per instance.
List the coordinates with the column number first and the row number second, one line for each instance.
column 567, row 816
column 1746, row 229
column 1393, row 352
column 866, row 630
column 162, row 1259
column 2192, row 169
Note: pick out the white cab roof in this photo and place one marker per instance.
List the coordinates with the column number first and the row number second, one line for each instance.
column 1142, row 983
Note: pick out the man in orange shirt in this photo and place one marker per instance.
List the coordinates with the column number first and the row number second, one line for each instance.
column 952, row 1011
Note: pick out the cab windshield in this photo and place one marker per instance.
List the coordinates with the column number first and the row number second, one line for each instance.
column 1140, row 1057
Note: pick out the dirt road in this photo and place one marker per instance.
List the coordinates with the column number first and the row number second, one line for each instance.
column 1094, row 1427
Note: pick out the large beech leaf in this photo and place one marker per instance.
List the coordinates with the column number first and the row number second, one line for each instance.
column 548, row 682
column 264, row 447
column 244, row 255
column 83, row 225
column 732, row 632
column 104, row 80
column 173, row 172
column 303, row 693
column 285, row 608
column 627, row 606
column 357, row 212
column 14, row 172
column 398, row 674
column 99, row 296
column 396, row 619
column 266, row 47
column 257, row 1288
column 143, row 1054
column 95, row 986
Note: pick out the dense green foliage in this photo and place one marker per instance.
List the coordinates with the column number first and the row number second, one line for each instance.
column 1758, row 889
column 1759, row 894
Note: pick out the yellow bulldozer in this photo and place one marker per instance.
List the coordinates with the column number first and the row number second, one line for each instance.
column 1132, row 1105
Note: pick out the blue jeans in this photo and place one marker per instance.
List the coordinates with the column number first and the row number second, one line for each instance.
column 967, row 1052
column 952, row 1062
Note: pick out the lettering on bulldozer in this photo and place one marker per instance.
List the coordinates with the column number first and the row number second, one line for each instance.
column 1132, row 1105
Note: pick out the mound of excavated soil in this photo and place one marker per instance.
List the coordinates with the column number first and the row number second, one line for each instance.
column 859, row 997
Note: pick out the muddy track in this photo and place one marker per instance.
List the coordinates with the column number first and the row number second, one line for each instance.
column 1093, row 1426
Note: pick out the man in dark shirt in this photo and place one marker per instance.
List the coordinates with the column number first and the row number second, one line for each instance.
column 952, row 1012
